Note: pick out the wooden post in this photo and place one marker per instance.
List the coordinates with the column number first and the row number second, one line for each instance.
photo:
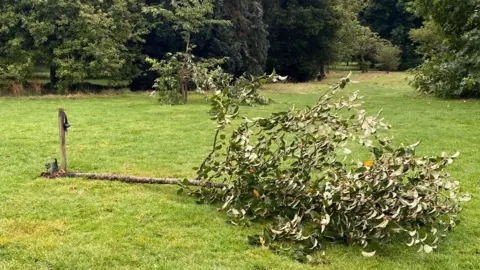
column 61, row 133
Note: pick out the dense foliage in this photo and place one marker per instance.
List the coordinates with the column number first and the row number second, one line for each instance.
column 392, row 20
column 245, row 43
column 301, row 44
column 450, row 43
column 188, row 18
column 292, row 169
column 388, row 57
column 180, row 71
column 74, row 39
column 205, row 75
column 358, row 43
column 111, row 40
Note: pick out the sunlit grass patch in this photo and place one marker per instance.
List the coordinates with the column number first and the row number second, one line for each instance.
column 83, row 224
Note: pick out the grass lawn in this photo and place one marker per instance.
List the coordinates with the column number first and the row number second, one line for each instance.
column 63, row 224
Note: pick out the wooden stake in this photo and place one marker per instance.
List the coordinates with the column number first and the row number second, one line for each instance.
column 61, row 133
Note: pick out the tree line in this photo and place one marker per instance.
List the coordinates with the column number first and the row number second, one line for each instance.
column 77, row 40
column 83, row 39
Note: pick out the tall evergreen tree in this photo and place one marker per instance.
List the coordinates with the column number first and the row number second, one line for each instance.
column 302, row 36
column 245, row 42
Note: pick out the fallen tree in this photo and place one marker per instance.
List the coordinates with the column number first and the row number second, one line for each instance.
column 294, row 171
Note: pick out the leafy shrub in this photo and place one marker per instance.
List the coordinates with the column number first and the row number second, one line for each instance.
column 292, row 170
column 388, row 57
column 452, row 78
column 449, row 42
column 179, row 71
column 364, row 66
column 206, row 75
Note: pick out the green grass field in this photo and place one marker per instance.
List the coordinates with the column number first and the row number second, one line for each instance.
column 80, row 224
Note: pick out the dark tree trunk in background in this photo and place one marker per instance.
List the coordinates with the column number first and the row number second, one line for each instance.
column 183, row 85
column 364, row 66
column 53, row 76
column 323, row 74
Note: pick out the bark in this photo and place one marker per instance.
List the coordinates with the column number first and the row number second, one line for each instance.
column 140, row 180
column 183, row 82
column 53, row 75
column 183, row 88
column 323, row 73
column 362, row 61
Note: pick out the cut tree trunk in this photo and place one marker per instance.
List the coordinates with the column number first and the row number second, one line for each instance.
column 141, row 180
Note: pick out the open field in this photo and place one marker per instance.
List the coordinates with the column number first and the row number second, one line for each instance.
column 63, row 224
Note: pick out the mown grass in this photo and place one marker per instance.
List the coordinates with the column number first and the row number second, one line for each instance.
column 65, row 224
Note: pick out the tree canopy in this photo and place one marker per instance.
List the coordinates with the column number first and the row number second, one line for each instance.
column 302, row 36
column 74, row 39
column 449, row 42
column 392, row 20
column 81, row 40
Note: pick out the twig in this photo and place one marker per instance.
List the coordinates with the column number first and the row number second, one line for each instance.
column 212, row 152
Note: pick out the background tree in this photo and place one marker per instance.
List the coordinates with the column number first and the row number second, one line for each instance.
column 245, row 43
column 388, row 57
column 428, row 38
column 187, row 18
column 355, row 41
column 453, row 68
column 16, row 57
column 302, row 36
column 392, row 21
column 76, row 40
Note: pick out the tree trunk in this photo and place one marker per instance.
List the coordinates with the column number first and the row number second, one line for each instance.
column 53, row 76
column 136, row 180
column 183, row 85
column 323, row 73
column 362, row 63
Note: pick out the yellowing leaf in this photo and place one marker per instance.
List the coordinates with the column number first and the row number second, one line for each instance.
column 368, row 163
column 257, row 194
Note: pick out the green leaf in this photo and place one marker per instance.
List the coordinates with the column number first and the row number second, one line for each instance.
column 383, row 224
column 361, row 170
column 377, row 152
